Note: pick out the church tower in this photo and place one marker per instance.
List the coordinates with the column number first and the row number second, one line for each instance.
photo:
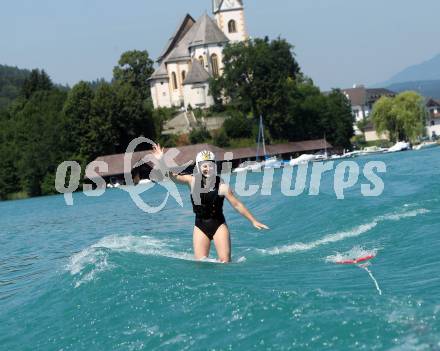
column 230, row 18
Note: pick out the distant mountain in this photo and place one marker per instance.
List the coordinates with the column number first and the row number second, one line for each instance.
column 11, row 81
column 428, row 88
column 423, row 78
column 425, row 71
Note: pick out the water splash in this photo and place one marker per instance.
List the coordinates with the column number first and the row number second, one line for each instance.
column 353, row 254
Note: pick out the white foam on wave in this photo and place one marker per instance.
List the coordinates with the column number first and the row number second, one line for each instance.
column 97, row 253
column 91, row 257
column 401, row 215
column 331, row 238
column 95, row 257
column 339, row 236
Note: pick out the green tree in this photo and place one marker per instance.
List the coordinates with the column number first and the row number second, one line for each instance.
column 403, row 116
column 301, row 117
column 384, row 119
column 220, row 139
column 37, row 81
column 135, row 68
column 77, row 110
column 410, row 109
column 8, row 157
column 339, row 121
column 40, row 135
column 199, row 135
column 135, row 108
column 11, row 83
column 103, row 136
column 238, row 126
column 135, row 116
column 256, row 75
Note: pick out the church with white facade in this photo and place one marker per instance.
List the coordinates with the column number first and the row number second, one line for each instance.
column 194, row 54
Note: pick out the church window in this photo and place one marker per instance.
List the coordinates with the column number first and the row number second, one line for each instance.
column 232, row 27
column 183, row 75
column 214, row 63
column 202, row 61
column 174, row 76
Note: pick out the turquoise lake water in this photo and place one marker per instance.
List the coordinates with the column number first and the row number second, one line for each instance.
column 103, row 275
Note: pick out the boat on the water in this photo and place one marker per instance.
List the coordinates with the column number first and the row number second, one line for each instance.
column 426, row 145
column 400, row 146
column 305, row 158
column 350, row 154
column 272, row 162
column 247, row 166
column 372, row 150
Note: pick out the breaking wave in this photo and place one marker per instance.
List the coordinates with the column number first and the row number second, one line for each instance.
column 94, row 259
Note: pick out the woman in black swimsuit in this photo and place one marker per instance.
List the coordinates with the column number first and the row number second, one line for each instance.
column 207, row 196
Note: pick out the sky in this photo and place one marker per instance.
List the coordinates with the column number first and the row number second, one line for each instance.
column 338, row 43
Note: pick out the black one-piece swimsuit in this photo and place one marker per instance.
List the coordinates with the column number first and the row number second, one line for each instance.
column 209, row 214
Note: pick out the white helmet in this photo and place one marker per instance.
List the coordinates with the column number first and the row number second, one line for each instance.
column 204, row 155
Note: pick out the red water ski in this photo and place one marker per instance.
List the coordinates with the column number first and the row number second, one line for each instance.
column 357, row 260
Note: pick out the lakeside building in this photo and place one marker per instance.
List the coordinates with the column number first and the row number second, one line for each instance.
column 362, row 101
column 370, row 133
column 194, row 54
column 115, row 172
column 433, row 119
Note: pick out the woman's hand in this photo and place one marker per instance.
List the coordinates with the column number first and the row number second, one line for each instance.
column 157, row 151
column 158, row 173
column 259, row 225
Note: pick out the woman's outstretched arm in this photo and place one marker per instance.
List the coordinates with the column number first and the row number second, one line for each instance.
column 240, row 207
column 177, row 178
